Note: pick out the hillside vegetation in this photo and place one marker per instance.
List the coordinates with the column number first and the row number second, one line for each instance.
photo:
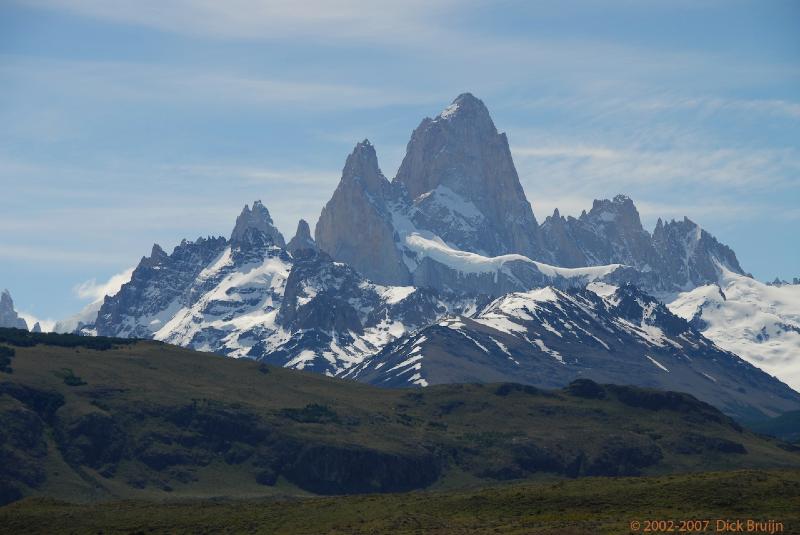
column 144, row 420
column 589, row 506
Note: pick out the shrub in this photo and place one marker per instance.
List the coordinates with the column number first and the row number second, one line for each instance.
column 6, row 354
column 313, row 413
column 69, row 377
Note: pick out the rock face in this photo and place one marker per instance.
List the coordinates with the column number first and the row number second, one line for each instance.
column 163, row 285
column 457, row 182
column 610, row 233
column 8, row 316
column 259, row 219
column 158, row 285
column 689, row 255
column 356, row 227
column 302, row 239
column 330, row 317
column 459, row 174
column 679, row 255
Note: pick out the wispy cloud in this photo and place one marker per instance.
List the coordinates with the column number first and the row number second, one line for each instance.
column 128, row 81
column 707, row 184
column 256, row 174
column 730, row 169
column 721, row 105
column 94, row 291
column 51, row 254
column 600, row 103
column 181, row 200
column 563, row 151
column 322, row 20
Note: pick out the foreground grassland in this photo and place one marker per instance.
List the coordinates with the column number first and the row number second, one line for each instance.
column 583, row 506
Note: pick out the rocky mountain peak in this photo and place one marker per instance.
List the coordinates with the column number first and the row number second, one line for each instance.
column 692, row 252
column 302, row 239
column 459, row 171
column 611, row 232
column 620, row 210
column 446, row 149
column 8, row 316
column 468, row 111
column 362, row 167
column 258, row 219
column 355, row 225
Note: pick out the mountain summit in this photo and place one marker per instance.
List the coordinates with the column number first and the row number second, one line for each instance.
column 9, row 316
column 457, row 184
column 457, row 206
column 459, row 173
column 356, row 227
column 302, row 239
column 257, row 219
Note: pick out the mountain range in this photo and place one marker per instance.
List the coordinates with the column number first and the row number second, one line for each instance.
column 443, row 274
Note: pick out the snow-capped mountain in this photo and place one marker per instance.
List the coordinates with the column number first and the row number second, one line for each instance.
column 457, row 189
column 548, row 337
column 248, row 296
column 460, row 177
column 758, row 322
column 292, row 305
column 8, row 315
column 443, row 274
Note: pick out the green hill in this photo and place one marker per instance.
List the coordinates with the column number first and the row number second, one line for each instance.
column 94, row 419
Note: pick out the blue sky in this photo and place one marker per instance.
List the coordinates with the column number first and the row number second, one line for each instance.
column 128, row 123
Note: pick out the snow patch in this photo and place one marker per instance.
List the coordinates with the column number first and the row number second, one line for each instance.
column 654, row 361
column 756, row 321
column 552, row 352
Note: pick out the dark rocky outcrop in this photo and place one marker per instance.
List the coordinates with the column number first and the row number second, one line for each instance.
column 328, row 469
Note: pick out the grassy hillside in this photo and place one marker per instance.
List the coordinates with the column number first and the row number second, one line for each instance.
column 97, row 419
column 590, row 506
